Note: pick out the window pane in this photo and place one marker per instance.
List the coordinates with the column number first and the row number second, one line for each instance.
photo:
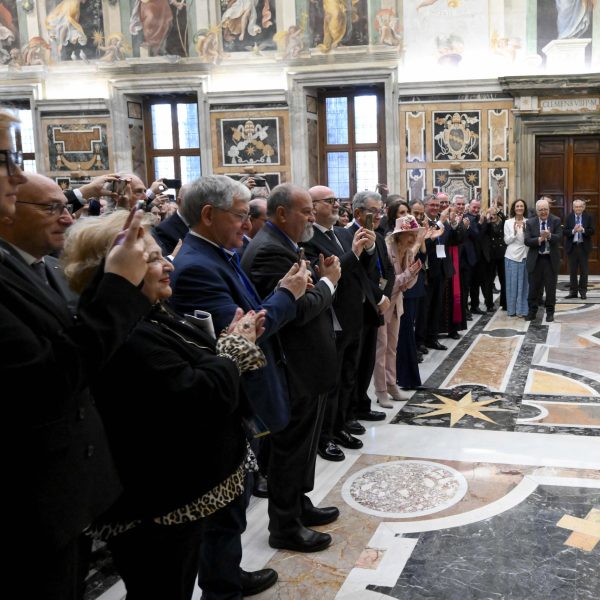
column 338, row 173
column 164, row 166
column 336, row 110
column 365, row 119
column 190, row 168
column 29, row 166
column 162, row 129
column 187, row 119
column 366, row 170
column 27, row 144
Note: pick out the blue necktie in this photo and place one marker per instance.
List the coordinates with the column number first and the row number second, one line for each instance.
column 544, row 247
column 578, row 234
column 234, row 261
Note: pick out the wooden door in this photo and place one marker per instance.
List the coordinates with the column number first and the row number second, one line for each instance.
column 566, row 168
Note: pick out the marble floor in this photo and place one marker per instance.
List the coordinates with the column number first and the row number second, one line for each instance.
column 485, row 485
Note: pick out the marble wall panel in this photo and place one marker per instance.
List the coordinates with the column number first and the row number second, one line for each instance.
column 415, row 136
column 498, row 134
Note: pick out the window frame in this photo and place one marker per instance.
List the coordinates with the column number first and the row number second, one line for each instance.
column 352, row 147
column 176, row 152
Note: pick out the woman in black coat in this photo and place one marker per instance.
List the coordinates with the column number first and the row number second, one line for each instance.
column 170, row 406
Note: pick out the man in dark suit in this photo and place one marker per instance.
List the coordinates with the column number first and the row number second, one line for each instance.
column 378, row 289
column 578, row 231
column 542, row 236
column 352, row 294
column 308, row 343
column 258, row 218
column 208, row 276
column 60, row 472
column 174, row 228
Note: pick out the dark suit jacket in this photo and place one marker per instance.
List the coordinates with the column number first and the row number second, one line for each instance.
column 308, row 341
column 61, row 472
column 470, row 250
column 532, row 233
column 168, row 232
column 205, row 279
column 588, row 225
column 353, row 286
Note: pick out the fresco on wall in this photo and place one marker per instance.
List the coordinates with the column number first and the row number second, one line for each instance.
column 206, row 42
column 9, row 32
column 248, row 25
column 445, row 33
column 387, row 25
column 74, row 28
column 334, row 23
column 250, row 141
column 159, row 27
column 562, row 20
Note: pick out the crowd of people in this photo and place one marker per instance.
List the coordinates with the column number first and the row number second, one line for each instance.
column 173, row 358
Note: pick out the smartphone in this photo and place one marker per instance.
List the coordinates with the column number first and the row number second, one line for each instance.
column 172, row 183
column 369, row 221
column 300, row 255
column 140, row 205
column 260, row 181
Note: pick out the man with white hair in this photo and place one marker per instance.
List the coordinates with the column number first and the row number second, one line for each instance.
column 542, row 236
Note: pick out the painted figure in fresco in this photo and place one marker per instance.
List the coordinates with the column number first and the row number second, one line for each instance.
column 116, row 48
column 36, row 52
column 241, row 18
column 335, row 22
column 207, row 45
column 387, row 24
column 64, row 27
column 155, row 19
column 290, row 42
column 7, row 33
column 573, row 17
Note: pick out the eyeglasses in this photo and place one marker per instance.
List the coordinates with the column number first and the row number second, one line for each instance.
column 331, row 201
column 243, row 217
column 376, row 212
column 11, row 160
column 53, row 208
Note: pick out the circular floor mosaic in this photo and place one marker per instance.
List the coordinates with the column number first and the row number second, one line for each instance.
column 404, row 488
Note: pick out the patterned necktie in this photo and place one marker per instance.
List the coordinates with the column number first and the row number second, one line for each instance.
column 39, row 268
column 578, row 234
column 329, row 233
column 544, row 247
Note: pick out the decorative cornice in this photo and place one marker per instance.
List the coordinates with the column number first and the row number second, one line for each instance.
column 551, row 85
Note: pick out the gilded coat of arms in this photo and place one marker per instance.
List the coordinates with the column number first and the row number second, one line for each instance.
column 456, row 135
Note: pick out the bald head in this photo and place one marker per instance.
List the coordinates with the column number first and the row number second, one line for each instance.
column 327, row 206
column 41, row 217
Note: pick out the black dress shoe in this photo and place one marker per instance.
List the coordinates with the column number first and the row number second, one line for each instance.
column 330, row 451
column 583, row 295
column 371, row 415
column 260, row 489
column 436, row 346
column 530, row 316
column 319, row 516
column 343, row 438
column 423, row 349
column 454, row 335
column 255, row 582
column 549, row 317
column 354, row 427
column 476, row 311
column 571, row 295
column 301, row 540
column 420, row 358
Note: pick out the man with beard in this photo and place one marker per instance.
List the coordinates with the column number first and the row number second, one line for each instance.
column 308, row 344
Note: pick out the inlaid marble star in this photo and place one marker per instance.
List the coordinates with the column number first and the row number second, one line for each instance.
column 457, row 409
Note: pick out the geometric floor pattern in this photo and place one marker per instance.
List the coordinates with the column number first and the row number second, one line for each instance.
column 486, row 484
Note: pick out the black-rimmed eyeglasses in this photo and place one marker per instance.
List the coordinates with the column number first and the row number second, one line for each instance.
column 331, row 201
column 11, row 160
column 52, row 208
